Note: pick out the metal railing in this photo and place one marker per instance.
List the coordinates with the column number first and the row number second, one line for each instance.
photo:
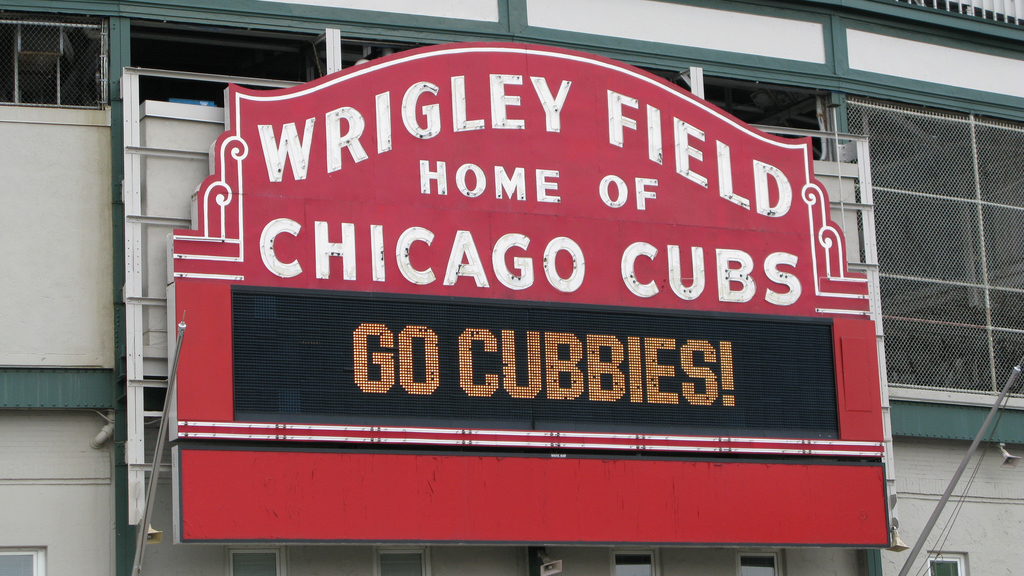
column 1008, row 11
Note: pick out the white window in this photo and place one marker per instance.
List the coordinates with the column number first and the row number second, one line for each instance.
column 22, row 562
column 633, row 564
column 946, row 564
column 403, row 562
column 764, row 564
column 256, row 562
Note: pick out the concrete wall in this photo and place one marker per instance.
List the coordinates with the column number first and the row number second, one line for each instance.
column 55, row 490
column 990, row 517
column 56, row 265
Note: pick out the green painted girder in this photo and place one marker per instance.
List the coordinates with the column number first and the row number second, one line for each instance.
column 954, row 422
column 24, row 387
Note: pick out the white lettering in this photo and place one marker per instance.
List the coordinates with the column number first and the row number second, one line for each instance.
column 575, row 279
column 643, row 194
column 440, row 176
column 431, row 111
column 500, row 101
column 628, row 269
column 620, row 200
column 543, row 186
column 552, row 105
column 267, row 239
column 616, row 121
column 325, row 249
column 675, row 279
column 404, row 247
column 654, row 146
column 503, row 183
column 771, row 268
column 383, row 122
column 725, row 177
column 377, row 249
column 297, row 151
column 335, row 141
column 761, row 173
column 684, row 151
column 728, row 275
column 459, row 107
column 478, row 174
column 463, row 248
column 523, row 265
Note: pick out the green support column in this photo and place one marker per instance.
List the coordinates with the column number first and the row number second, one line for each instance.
column 120, row 56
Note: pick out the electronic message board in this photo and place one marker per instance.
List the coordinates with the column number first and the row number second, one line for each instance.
column 487, row 247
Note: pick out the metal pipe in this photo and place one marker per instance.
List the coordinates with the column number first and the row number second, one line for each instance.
column 959, row 471
column 142, row 529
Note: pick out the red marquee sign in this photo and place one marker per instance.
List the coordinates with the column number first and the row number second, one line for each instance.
column 499, row 246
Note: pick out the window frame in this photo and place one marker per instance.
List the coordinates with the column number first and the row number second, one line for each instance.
column 38, row 557
column 774, row 555
column 957, row 558
column 423, row 551
column 652, row 552
column 279, row 554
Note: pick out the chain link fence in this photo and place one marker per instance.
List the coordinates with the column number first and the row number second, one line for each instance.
column 53, row 62
column 949, row 207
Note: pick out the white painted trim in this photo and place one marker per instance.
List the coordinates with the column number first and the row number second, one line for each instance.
column 624, row 551
column 423, row 551
column 773, row 554
column 180, row 111
column 278, row 553
column 55, row 116
column 931, row 395
column 902, row 58
column 476, row 10
column 38, row 558
column 683, row 25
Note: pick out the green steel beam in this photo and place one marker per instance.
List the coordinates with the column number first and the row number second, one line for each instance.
column 873, row 559
column 953, row 422
column 55, row 388
column 124, row 533
column 898, row 19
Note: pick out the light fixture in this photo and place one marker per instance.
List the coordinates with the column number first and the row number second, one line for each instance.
column 896, row 543
column 1009, row 460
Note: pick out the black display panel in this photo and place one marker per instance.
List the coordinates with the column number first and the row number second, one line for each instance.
column 389, row 360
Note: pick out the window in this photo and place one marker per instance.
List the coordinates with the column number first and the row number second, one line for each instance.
column 403, row 562
column 256, row 562
column 22, row 562
column 946, row 565
column 634, row 564
column 48, row 61
column 758, row 565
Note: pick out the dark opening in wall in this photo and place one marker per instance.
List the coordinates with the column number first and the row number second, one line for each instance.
column 292, row 57
column 765, row 104
column 761, row 103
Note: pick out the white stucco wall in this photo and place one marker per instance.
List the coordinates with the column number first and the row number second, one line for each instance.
column 991, row 515
column 55, row 490
column 56, row 266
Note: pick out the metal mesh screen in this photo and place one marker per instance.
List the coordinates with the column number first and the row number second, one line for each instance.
column 949, row 204
column 53, row 62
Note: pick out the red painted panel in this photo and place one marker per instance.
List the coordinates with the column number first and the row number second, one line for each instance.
column 204, row 389
column 726, row 194
column 332, row 496
column 859, row 394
